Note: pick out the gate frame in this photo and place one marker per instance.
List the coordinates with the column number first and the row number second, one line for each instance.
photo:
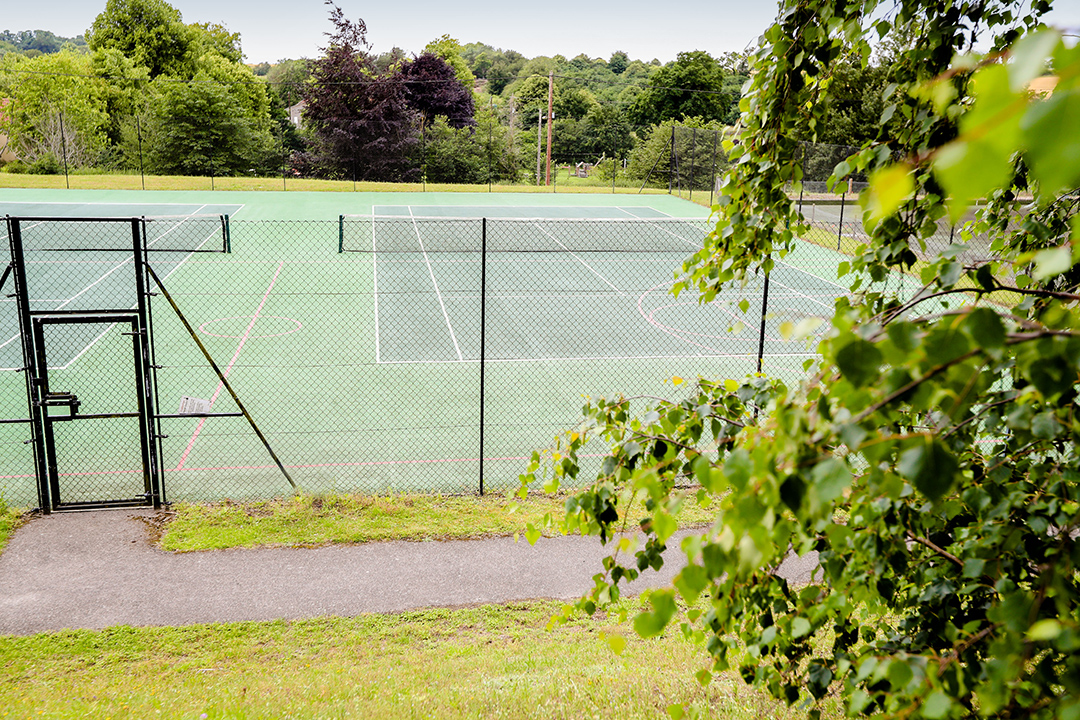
column 149, row 421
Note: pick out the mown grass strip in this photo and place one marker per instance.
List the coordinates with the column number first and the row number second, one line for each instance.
column 116, row 181
column 489, row 661
column 315, row 520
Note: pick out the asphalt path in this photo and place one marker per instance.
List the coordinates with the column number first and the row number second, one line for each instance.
column 99, row 569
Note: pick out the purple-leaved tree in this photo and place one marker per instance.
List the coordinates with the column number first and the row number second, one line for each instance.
column 361, row 124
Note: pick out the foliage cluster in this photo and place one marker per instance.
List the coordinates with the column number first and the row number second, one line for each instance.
column 930, row 457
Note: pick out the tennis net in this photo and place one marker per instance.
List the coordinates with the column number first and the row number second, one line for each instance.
column 401, row 234
column 179, row 233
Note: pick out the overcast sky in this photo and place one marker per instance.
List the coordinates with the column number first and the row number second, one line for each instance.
column 276, row 29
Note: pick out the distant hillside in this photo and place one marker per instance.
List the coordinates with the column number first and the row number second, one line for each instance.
column 36, row 42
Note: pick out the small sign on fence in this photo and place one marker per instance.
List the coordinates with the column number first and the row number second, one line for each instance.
column 193, row 406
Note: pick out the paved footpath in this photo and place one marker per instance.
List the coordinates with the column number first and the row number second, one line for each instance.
column 98, row 569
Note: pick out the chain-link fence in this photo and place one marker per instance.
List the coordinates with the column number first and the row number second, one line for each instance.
column 395, row 354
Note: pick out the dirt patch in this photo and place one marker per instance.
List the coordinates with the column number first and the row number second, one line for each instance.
column 156, row 524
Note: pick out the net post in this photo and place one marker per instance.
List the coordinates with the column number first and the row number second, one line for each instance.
column 228, row 233
column 341, row 234
column 483, row 348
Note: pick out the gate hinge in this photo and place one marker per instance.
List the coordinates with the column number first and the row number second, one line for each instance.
column 162, row 437
column 137, row 332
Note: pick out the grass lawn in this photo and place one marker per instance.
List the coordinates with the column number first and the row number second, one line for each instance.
column 483, row 662
column 314, row 520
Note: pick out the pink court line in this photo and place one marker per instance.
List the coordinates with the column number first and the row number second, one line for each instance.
column 236, row 355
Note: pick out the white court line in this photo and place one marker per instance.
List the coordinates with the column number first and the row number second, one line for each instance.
column 375, row 290
column 96, row 282
column 105, row 332
column 431, row 272
column 573, row 255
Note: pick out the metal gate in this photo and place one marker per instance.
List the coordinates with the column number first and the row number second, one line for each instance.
column 95, row 428
column 82, row 291
column 84, row 324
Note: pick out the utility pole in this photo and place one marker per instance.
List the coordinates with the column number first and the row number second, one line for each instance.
column 539, row 140
column 551, row 100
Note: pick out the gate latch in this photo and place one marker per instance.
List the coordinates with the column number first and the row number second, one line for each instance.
column 60, row 399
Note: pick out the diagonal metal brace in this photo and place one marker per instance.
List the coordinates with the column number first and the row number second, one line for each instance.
column 221, row 375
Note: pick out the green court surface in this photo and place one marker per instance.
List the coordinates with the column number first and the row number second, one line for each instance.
column 363, row 368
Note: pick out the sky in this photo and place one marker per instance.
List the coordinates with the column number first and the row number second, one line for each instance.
column 271, row 30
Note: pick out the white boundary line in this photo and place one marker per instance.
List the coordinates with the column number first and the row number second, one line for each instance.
column 573, row 255
column 104, row 332
column 435, row 282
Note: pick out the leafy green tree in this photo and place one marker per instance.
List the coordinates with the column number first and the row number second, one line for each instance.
column 57, row 110
column 150, row 32
column 219, row 124
column 450, row 50
column 697, row 154
column 929, row 458
column 287, row 78
column 690, row 86
column 618, row 62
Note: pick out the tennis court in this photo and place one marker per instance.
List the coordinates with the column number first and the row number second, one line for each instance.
column 366, row 345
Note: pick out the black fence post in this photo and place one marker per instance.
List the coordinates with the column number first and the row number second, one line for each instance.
column 284, row 161
column 483, row 338
column 491, row 130
column 764, row 312
column 840, row 225
column 712, row 175
column 693, row 156
column 671, row 161
column 138, row 131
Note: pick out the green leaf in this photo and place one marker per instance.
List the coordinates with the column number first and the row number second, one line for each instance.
column 859, row 361
column 616, row 642
column 831, row 478
column 800, row 627
column 1050, row 135
column 1052, row 262
column 889, row 189
column 1044, row 630
column 1029, row 56
column 652, row 623
column 986, row 328
column 930, row 467
column 980, row 159
column 973, row 567
column 690, row 582
column 937, row 705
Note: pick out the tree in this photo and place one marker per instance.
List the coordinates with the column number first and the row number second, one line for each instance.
column 218, row 124
column 58, row 110
column 618, row 62
column 930, row 456
column 690, row 86
column 360, row 122
column 431, row 89
column 150, row 32
column 450, row 50
column 287, row 78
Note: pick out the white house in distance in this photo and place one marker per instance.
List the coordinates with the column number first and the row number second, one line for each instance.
column 296, row 113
